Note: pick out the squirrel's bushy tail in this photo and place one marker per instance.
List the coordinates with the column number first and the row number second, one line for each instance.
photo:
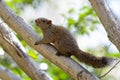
column 96, row 62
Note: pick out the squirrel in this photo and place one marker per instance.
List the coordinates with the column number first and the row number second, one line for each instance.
column 66, row 45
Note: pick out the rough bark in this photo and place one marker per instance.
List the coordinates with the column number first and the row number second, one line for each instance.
column 109, row 20
column 30, row 36
column 13, row 47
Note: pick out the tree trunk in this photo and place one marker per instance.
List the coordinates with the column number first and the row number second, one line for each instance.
column 109, row 20
column 30, row 36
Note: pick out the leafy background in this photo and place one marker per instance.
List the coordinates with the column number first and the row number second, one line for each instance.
column 81, row 21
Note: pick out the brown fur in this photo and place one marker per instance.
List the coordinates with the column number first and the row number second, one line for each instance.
column 65, row 43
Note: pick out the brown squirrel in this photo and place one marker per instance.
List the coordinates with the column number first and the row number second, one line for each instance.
column 66, row 45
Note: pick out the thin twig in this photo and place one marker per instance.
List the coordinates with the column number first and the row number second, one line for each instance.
column 109, row 70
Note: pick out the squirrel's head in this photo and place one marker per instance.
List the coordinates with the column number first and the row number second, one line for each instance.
column 43, row 22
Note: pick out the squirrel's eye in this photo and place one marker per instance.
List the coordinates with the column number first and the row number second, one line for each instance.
column 43, row 20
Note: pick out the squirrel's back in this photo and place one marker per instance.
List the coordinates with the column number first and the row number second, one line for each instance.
column 66, row 45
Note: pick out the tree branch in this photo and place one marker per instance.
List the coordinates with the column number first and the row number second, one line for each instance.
column 13, row 47
column 30, row 36
column 108, row 19
column 6, row 74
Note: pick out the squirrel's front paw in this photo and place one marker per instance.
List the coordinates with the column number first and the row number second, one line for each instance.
column 36, row 43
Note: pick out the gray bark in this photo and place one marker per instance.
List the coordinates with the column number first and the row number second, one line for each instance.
column 30, row 36
column 13, row 47
column 6, row 74
column 109, row 20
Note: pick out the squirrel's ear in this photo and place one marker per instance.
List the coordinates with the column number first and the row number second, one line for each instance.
column 49, row 22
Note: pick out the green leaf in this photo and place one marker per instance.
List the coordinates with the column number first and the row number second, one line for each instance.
column 32, row 54
column 71, row 21
column 71, row 10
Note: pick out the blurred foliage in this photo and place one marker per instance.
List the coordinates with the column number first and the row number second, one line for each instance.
column 55, row 72
column 84, row 22
column 18, row 5
column 7, row 61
